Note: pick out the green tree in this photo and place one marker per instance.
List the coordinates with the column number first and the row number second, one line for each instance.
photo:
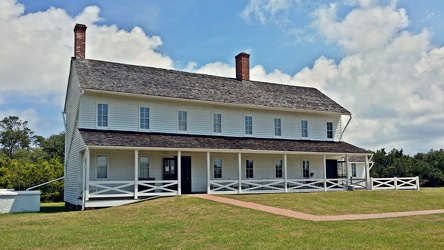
column 15, row 135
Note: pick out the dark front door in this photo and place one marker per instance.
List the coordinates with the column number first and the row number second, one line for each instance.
column 332, row 169
column 185, row 174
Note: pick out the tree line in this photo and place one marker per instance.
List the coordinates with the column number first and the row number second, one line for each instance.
column 27, row 160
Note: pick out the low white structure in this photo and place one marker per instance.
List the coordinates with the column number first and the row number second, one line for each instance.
column 19, row 201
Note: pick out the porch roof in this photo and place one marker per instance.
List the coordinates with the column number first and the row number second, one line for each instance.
column 157, row 140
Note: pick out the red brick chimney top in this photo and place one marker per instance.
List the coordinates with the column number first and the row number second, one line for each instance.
column 79, row 41
column 243, row 66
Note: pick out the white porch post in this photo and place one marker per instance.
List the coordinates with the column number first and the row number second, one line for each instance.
column 87, row 166
column 179, row 172
column 136, row 173
column 367, row 174
column 208, row 172
column 239, row 161
column 325, row 174
column 285, row 173
column 347, row 171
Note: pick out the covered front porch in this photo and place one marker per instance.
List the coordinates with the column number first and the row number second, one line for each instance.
column 127, row 174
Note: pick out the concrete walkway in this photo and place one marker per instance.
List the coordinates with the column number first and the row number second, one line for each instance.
column 304, row 216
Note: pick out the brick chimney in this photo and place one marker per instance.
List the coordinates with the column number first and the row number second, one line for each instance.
column 243, row 66
column 79, row 40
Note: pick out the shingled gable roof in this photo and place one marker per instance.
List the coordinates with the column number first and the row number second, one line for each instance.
column 124, row 78
column 158, row 140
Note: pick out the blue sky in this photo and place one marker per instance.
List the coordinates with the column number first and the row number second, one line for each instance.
column 382, row 60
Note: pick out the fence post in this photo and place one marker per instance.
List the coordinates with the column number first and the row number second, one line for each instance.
column 371, row 184
column 395, row 181
column 417, row 182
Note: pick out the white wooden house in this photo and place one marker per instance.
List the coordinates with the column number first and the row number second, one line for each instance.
column 135, row 132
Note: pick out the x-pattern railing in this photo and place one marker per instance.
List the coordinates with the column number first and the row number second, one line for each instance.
column 336, row 184
column 157, row 186
column 395, row 183
column 111, row 189
column 262, row 185
column 224, row 186
column 305, row 184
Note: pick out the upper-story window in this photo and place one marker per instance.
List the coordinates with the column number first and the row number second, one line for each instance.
column 278, row 166
column 102, row 115
column 217, row 171
column 304, row 128
column 248, row 125
column 144, row 118
column 277, row 127
column 182, row 118
column 330, row 130
column 217, row 123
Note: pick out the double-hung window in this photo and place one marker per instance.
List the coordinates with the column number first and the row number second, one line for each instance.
column 248, row 125
column 304, row 128
column 182, row 118
column 102, row 115
column 330, row 130
column 305, row 169
column 277, row 127
column 217, row 123
column 144, row 167
column 144, row 118
column 102, row 166
column 353, row 165
column 249, row 168
column 217, row 172
column 278, row 166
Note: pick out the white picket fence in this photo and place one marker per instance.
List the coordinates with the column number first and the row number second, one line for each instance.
column 395, row 183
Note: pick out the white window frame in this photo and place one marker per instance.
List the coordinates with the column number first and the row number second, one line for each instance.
column 97, row 115
column 305, row 171
column 327, row 131
column 246, row 168
column 149, row 165
column 140, row 118
column 97, row 167
column 179, row 120
column 302, row 129
column 276, row 168
column 353, row 170
column 245, row 125
column 214, row 168
column 280, row 127
column 214, row 123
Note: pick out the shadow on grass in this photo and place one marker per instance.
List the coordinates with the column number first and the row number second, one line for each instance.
column 50, row 208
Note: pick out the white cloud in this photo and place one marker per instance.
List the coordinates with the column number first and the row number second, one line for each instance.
column 36, row 49
column 263, row 10
column 41, row 45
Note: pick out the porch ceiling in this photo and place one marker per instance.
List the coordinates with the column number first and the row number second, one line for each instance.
column 156, row 140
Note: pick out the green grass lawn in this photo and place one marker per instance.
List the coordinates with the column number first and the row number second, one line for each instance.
column 192, row 223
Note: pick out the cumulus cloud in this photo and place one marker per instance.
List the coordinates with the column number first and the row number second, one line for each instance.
column 390, row 78
column 39, row 43
column 36, row 49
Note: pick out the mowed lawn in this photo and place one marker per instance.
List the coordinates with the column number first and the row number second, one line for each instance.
column 191, row 223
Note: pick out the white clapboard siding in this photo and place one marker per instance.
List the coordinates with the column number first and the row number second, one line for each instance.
column 123, row 115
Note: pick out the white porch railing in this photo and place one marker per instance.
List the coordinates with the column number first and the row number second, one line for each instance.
column 224, row 186
column 117, row 189
column 276, row 185
column 161, row 187
column 107, row 189
column 395, row 183
column 358, row 183
column 263, row 186
column 305, row 185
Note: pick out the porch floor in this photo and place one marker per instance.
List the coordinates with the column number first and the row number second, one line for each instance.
column 304, row 216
